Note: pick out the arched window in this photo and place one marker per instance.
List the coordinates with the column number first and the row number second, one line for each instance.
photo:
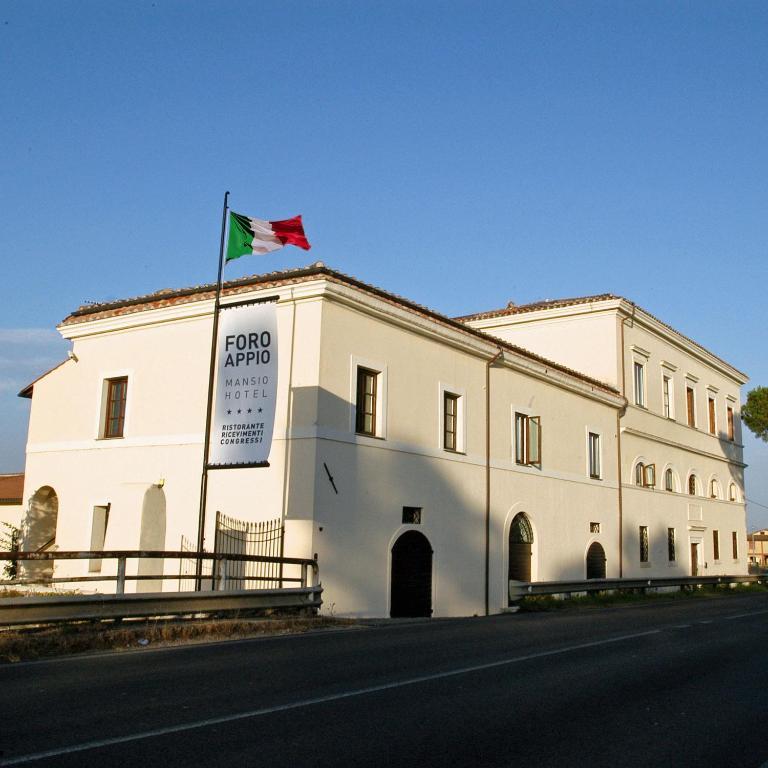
column 714, row 489
column 692, row 485
column 732, row 492
column 645, row 475
column 669, row 480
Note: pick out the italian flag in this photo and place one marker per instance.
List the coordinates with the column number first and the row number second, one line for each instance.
column 248, row 235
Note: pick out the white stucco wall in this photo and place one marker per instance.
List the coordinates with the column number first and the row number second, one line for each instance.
column 584, row 341
column 11, row 513
column 377, row 476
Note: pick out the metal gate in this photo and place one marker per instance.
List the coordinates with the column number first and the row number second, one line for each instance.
column 188, row 567
column 240, row 537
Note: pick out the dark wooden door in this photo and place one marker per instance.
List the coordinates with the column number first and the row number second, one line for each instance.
column 694, row 559
column 520, row 548
column 411, row 587
column 595, row 561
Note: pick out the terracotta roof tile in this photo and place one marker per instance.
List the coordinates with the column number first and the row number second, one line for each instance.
column 517, row 309
column 11, row 488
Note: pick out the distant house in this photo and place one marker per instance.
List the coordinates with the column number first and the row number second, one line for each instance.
column 425, row 461
column 757, row 548
column 11, row 497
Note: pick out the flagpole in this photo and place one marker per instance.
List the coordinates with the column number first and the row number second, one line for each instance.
column 209, row 409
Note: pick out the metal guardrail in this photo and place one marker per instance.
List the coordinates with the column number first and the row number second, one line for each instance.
column 63, row 608
column 520, row 589
column 218, row 599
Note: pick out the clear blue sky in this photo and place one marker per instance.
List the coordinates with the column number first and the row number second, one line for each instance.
column 459, row 153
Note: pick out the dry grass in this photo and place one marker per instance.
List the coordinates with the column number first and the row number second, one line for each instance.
column 624, row 597
column 43, row 642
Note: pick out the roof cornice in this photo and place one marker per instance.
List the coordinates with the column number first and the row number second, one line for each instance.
column 652, row 323
column 320, row 281
column 605, row 303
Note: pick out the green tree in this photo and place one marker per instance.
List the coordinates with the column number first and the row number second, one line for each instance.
column 754, row 413
column 9, row 541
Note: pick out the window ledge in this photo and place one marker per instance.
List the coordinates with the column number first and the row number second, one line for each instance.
column 645, row 565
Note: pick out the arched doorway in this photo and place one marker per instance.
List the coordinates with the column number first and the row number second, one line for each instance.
column 520, row 548
column 595, row 561
column 411, row 588
column 152, row 536
column 39, row 531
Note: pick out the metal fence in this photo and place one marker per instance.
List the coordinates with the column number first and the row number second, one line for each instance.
column 241, row 537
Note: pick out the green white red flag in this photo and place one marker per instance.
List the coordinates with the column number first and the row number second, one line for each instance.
column 248, row 235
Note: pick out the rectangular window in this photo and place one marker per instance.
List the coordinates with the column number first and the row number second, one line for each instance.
column 594, row 455
column 450, row 421
column 671, row 552
column 643, row 543
column 690, row 402
column 735, row 545
column 114, row 419
column 666, row 391
column 411, row 515
column 594, row 527
column 731, row 433
column 711, row 413
column 365, row 420
column 98, row 536
column 716, row 544
column 528, row 440
column 640, row 384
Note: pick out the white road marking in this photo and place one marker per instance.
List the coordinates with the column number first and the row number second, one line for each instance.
column 22, row 759
column 746, row 616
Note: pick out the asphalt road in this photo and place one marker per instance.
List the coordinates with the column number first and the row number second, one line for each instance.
column 679, row 684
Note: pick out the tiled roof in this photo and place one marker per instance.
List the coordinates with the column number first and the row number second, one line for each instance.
column 170, row 297
column 517, row 309
column 11, row 488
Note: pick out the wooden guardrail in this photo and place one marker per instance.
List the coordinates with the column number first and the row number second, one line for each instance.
column 219, row 577
column 305, row 591
column 520, row 589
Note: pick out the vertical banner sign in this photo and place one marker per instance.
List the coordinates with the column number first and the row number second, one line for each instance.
column 246, row 386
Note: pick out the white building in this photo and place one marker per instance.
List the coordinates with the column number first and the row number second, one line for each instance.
column 425, row 462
